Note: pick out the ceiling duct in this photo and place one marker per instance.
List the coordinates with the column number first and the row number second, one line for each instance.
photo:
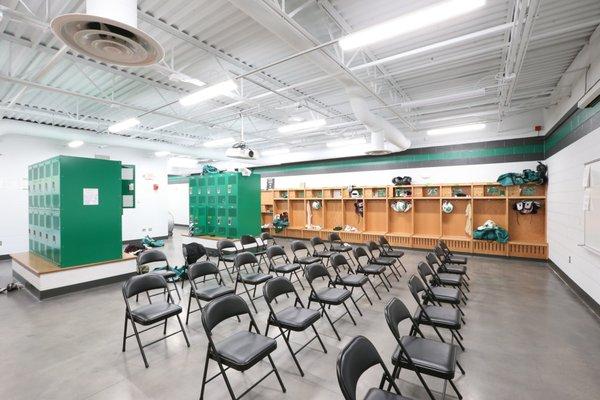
column 108, row 32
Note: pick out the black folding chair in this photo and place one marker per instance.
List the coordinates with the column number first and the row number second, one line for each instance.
column 350, row 280
column 451, row 258
column 156, row 262
column 295, row 318
column 279, row 263
column 328, row 296
column 388, row 251
column 205, row 292
column 377, row 257
column 369, row 268
column 152, row 314
column 250, row 244
column 419, row 354
column 268, row 239
column 434, row 315
column 250, row 278
column 227, row 251
column 239, row 351
column 445, row 265
column 320, row 249
column 358, row 356
column 301, row 253
column 193, row 253
column 438, row 294
column 337, row 245
column 444, row 278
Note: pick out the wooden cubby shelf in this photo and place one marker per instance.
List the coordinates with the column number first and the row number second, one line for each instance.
column 424, row 223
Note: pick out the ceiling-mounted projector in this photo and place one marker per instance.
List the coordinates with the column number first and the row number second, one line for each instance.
column 240, row 150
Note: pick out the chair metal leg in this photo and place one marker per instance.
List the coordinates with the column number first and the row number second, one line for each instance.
column 137, row 337
column 319, row 339
column 226, row 380
column 402, row 265
column 176, row 289
column 455, row 389
column 366, row 295
column 462, row 371
column 298, row 279
column 276, row 373
column 250, row 297
column 287, row 343
column 187, row 317
column 183, row 331
column 354, row 301
column 348, row 311
column 394, row 373
column 204, row 376
column 374, row 289
column 125, row 333
column 165, row 328
column 330, row 322
column 425, row 385
column 388, row 281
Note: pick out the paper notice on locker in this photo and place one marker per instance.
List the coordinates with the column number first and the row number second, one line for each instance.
column 90, row 197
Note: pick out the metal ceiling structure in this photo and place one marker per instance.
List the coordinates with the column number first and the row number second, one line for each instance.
column 511, row 53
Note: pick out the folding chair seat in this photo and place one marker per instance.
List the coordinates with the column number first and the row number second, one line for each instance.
column 358, row 356
column 419, row 354
column 445, row 266
column 337, row 245
column 388, row 251
column 205, row 292
column 329, row 295
column 252, row 278
column 444, row 278
column 239, row 351
column 302, row 254
column 149, row 259
column 294, row 318
column 376, row 257
column 436, row 292
column 434, row 315
column 279, row 263
column 369, row 268
column 451, row 258
column 153, row 315
column 350, row 280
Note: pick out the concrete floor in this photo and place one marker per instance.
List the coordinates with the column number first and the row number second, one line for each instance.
column 527, row 337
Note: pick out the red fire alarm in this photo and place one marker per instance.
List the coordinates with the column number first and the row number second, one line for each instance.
column 537, row 128
column 155, row 186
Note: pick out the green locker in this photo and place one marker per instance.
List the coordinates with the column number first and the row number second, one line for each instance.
column 75, row 207
column 230, row 203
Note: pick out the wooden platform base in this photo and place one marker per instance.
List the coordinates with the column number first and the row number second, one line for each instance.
column 44, row 279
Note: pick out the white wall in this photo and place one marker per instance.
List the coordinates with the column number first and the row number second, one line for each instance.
column 448, row 174
column 179, row 202
column 565, row 214
column 18, row 152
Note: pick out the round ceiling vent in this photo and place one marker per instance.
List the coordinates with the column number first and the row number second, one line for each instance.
column 107, row 40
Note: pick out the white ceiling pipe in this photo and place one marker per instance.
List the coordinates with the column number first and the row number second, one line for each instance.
column 373, row 122
column 12, row 127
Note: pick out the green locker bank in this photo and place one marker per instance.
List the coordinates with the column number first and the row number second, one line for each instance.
column 225, row 205
column 75, row 208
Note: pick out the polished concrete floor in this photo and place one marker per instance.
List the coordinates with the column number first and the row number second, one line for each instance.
column 527, row 337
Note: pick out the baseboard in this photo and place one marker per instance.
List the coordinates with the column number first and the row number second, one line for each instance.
column 585, row 298
column 46, row 294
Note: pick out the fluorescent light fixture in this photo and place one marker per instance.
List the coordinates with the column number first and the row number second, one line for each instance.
column 216, row 90
column 75, row 144
column 444, row 99
column 302, row 126
column 123, row 125
column 162, row 153
column 219, row 142
column 346, row 142
column 456, row 129
column 428, row 16
column 275, row 152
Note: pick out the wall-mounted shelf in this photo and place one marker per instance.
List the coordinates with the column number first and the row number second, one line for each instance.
column 424, row 223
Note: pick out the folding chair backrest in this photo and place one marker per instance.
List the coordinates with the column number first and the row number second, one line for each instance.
column 444, row 246
column 276, row 287
column 245, row 258
column 221, row 309
column 247, row 239
column 314, row 271
column 142, row 283
column 395, row 313
column 317, row 241
column 151, row 256
column 275, row 251
column 432, row 260
column 334, row 237
column 415, row 286
column 225, row 244
column 439, row 252
column 359, row 252
column 298, row 245
column 203, row 268
column 383, row 241
column 357, row 357
column 424, row 270
column 266, row 236
column 192, row 252
column 337, row 260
